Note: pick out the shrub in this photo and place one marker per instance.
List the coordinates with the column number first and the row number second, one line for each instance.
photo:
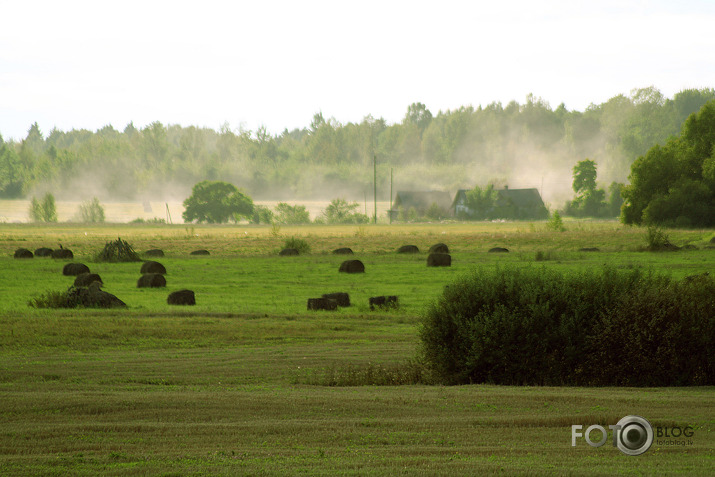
column 536, row 326
column 555, row 223
column 299, row 244
column 91, row 212
column 45, row 210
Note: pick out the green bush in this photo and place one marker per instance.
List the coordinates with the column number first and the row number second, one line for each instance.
column 298, row 244
column 537, row 326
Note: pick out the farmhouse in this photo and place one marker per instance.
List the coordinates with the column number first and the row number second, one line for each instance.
column 421, row 202
column 509, row 204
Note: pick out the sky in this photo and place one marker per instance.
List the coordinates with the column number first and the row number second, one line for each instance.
column 87, row 64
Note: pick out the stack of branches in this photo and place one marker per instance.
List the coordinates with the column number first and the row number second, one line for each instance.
column 118, row 251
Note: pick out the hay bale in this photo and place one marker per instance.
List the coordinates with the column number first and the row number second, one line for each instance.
column 200, row 252
column 155, row 252
column 43, row 252
column 287, row 252
column 352, row 266
column 74, row 269
column 439, row 260
column 383, row 302
column 498, row 250
column 23, row 253
column 322, row 304
column 86, row 279
column 151, row 280
column 343, row 251
column 153, row 267
column 689, row 246
column 342, row 299
column 93, row 297
column 181, row 297
column 408, row 249
column 62, row 254
column 439, row 248
column 589, row 249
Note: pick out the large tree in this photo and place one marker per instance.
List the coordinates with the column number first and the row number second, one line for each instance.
column 674, row 185
column 216, row 202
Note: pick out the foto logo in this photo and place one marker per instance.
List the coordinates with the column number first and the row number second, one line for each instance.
column 633, row 435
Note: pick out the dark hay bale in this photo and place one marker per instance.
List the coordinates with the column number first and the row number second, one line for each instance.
column 23, row 253
column 322, row 304
column 383, row 302
column 153, row 267
column 287, row 252
column 343, row 251
column 439, row 248
column 200, row 252
column 155, row 252
column 151, row 280
column 439, row 260
column 93, row 297
column 589, row 249
column 685, row 247
column 408, row 249
column 74, row 269
column 118, row 251
column 43, row 252
column 181, row 297
column 63, row 254
column 498, row 250
column 352, row 266
column 86, row 279
column 343, row 299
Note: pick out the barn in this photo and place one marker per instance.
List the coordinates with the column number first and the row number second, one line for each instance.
column 524, row 204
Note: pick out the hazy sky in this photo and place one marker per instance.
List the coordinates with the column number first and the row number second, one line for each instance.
column 85, row 64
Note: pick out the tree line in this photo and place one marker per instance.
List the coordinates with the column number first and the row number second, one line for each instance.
column 450, row 150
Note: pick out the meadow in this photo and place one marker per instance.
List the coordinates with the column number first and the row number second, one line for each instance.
column 248, row 381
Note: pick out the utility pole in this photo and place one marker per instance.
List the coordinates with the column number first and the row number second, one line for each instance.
column 374, row 184
column 390, row 211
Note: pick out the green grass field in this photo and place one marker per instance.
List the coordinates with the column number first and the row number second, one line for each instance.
column 238, row 383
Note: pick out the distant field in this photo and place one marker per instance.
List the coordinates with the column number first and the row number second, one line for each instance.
column 233, row 385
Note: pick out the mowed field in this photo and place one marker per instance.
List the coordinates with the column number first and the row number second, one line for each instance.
column 243, row 382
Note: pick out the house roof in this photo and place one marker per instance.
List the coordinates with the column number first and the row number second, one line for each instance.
column 522, row 198
column 422, row 199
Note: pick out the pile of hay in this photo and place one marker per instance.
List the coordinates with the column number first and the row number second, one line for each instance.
column 439, row 248
column 155, row 252
column 498, row 250
column 43, row 252
column 383, row 302
column 74, row 269
column 352, row 266
column 151, row 280
column 118, row 251
column 153, row 267
column 23, row 253
column 408, row 249
column 86, row 279
column 322, row 304
column 343, row 251
column 62, row 254
column 200, row 252
column 439, row 260
column 181, row 297
column 287, row 252
column 89, row 297
column 342, row 299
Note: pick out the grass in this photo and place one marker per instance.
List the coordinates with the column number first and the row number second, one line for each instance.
column 249, row 382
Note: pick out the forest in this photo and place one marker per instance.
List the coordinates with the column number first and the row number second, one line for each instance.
column 526, row 144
